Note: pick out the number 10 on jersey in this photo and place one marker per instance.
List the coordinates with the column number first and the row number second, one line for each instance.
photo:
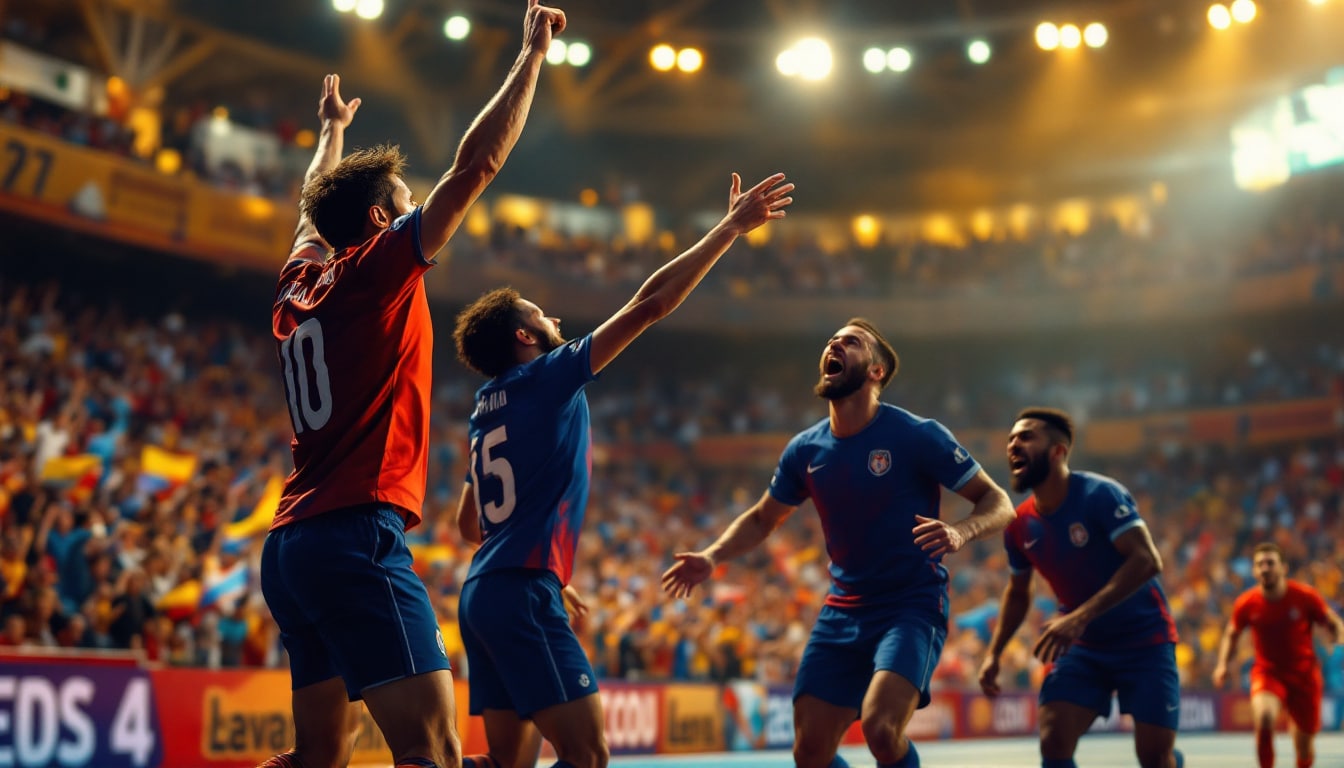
column 306, row 377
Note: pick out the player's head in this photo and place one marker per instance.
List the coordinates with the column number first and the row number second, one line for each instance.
column 502, row 329
column 1039, row 443
column 855, row 357
column 362, row 195
column 1267, row 560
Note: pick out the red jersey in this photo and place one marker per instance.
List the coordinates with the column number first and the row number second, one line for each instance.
column 1281, row 628
column 356, row 347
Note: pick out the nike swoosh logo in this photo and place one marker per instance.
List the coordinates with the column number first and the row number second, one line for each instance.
column 1030, row 544
column 811, row 469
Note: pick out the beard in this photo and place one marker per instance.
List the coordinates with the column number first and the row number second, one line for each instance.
column 1038, row 468
column 850, row 382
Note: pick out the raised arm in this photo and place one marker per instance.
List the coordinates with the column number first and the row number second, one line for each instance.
column 667, row 288
column 1142, row 562
column 1013, row 607
column 491, row 137
column 743, row 535
column 335, row 115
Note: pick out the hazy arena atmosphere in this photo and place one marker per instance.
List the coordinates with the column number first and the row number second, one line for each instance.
column 671, row 383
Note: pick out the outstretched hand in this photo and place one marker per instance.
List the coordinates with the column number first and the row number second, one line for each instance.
column 763, row 202
column 330, row 108
column 541, row 25
column 690, row 569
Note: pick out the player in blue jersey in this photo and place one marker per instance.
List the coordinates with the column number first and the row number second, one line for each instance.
column 1114, row 634
column 524, row 501
column 875, row 473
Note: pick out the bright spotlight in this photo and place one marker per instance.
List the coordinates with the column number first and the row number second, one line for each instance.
column 369, row 9
column 875, row 60
column 1069, row 36
column 899, row 59
column 343, row 6
column 578, row 54
column 690, row 60
column 788, row 62
column 1095, row 34
column 978, row 51
column 1316, row 2
column 557, row 52
column 814, row 59
column 1047, row 36
column 1243, row 11
column 1219, row 16
column 663, row 57
column 457, row 28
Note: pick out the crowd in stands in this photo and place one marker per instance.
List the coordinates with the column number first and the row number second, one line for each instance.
column 103, row 547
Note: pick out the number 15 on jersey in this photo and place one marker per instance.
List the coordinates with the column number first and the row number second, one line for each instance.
column 496, row 467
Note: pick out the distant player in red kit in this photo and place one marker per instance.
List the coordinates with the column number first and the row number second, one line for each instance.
column 355, row 344
column 1286, row 674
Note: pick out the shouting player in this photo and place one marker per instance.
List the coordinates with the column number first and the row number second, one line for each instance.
column 875, row 473
column 1114, row 634
column 1286, row 674
column 355, row 344
column 531, row 456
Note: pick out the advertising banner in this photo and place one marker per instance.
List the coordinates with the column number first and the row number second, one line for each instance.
column 70, row 714
column 692, row 719
column 1008, row 714
column 634, row 717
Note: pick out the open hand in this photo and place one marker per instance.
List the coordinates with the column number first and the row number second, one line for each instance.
column 763, row 202
column 690, row 569
column 330, row 108
column 1057, row 635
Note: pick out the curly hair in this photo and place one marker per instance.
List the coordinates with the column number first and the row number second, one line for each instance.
column 337, row 201
column 484, row 332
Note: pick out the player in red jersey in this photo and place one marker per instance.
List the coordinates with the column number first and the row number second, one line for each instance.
column 1286, row 674
column 355, row 346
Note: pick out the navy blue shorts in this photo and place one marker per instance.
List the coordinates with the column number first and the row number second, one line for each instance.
column 342, row 591
column 1145, row 681
column 522, row 654
column 849, row 645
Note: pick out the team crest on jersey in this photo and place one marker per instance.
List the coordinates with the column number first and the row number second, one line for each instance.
column 1294, row 614
column 879, row 462
column 1078, row 534
column 960, row 455
column 438, row 635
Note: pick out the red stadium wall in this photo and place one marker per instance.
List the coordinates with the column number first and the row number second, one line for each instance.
column 83, row 711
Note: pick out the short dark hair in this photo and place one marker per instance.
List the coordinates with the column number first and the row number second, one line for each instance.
column 886, row 354
column 337, row 202
column 1056, row 422
column 484, row 332
column 1268, row 546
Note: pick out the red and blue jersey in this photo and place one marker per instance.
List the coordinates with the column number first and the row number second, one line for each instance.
column 531, row 461
column 867, row 488
column 1073, row 549
column 355, row 344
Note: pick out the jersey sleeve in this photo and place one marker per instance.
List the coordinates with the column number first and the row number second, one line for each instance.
column 940, row 456
column 788, row 485
column 393, row 259
column 1012, row 544
column 1114, row 510
column 1241, row 611
column 566, row 368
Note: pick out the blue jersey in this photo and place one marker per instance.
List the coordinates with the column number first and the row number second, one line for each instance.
column 531, row 458
column 1072, row 549
column 867, row 489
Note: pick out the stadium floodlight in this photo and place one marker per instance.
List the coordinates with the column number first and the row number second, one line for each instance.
column 900, row 59
column 343, row 6
column 788, row 62
column 978, row 51
column 1243, row 11
column 1316, row 2
column 815, row 59
column 875, row 60
column 1095, row 34
column 690, row 60
column 578, row 54
column 1070, row 36
column 457, row 27
column 1047, row 36
column 557, row 52
column 663, row 57
column 369, row 9
column 1219, row 16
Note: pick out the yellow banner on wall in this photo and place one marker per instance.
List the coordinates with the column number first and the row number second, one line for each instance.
column 99, row 193
column 692, row 719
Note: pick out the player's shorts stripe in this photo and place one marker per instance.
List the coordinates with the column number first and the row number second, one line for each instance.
column 930, row 658
column 392, row 598
column 1116, row 533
